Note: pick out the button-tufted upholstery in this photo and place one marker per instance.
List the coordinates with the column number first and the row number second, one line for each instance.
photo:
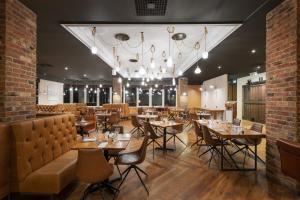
column 46, row 108
column 4, row 160
column 43, row 161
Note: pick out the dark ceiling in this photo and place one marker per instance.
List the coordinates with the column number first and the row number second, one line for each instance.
column 57, row 48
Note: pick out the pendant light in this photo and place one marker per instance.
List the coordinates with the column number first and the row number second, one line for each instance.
column 142, row 70
column 173, row 81
column 118, row 67
column 127, row 84
column 170, row 30
column 100, row 85
column 197, row 70
column 94, row 49
column 205, row 53
column 180, row 73
column 152, row 63
column 119, row 80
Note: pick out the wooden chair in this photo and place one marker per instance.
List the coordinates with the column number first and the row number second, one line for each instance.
column 137, row 126
column 199, row 136
column 176, row 130
column 290, row 158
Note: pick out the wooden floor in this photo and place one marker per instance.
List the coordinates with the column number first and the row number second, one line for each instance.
column 182, row 175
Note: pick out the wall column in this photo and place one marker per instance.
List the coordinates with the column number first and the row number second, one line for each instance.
column 117, row 90
column 182, row 92
column 282, row 86
column 17, row 61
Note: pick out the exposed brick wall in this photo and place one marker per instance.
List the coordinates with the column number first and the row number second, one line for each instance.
column 283, row 84
column 17, row 61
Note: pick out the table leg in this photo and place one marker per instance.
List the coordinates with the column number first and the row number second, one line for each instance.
column 255, row 156
column 222, row 152
column 164, row 146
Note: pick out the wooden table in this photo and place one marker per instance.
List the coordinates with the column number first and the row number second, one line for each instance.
column 147, row 117
column 81, row 125
column 203, row 115
column 214, row 112
column 165, row 125
column 105, row 116
column 225, row 132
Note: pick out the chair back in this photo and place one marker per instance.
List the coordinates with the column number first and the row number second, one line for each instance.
column 290, row 158
column 207, row 135
column 193, row 116
column 114, row 118
column 143, row 149
column 117, row 128
column 236, row 122
column 148, row 129
column 198, row 129
column 179, row 128
column 92, row 167
column 135, row 122
column 257, row 128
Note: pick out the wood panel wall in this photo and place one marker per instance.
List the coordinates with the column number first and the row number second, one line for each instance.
column 254, row 102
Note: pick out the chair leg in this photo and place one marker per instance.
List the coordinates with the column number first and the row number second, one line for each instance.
column 212, row 155
column 157, row 143
column 141, row 180
column 127, row 172
column 205, row 152
column 198, row 140
column 141, row 170
column 180, row 140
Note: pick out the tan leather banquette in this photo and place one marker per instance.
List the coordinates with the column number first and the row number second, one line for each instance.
column 42, row 159
column 122, row 107
column 4, row 160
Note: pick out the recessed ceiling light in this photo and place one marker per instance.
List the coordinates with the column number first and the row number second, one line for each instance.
column 66, row 68
column 219, row 67
column 84, row 75
column 258, row 67
column 253, row 51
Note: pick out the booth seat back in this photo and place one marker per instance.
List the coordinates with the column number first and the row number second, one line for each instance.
column 47, row 108
column 5, row 140
column 39, row 141
column 123, row 107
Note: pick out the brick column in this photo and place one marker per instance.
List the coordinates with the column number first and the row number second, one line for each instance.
column 17, row 61
column 283, row 86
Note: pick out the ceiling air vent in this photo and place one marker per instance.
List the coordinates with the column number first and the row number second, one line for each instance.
column 151, row 7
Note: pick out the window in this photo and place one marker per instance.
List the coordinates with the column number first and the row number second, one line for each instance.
column 130, row 96
column 170, row 96
column 66, row 93
column 156, row 97
column 78, row 94
column 92, row 96
column 143, row 97
column 103, row 96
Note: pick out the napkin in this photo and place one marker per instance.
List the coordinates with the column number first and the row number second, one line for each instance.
column 102, row 145
column 89, row 139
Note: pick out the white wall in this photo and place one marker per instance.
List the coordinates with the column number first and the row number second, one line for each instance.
column 243, row 81
column 215, row 98
column 50, row 92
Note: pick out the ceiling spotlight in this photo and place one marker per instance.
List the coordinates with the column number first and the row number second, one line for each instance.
column 94, row 50
column 197, row 70
column 219, row 67
column 127, row 84
column 253, row 51
column 84, row 75
column 180, row 73
column 119, row 80
column 156, row 85
column 258, row 67
column 66, row 68
column 100, row 85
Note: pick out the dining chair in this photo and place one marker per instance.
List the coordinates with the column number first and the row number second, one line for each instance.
column 290, row 158
column 137, row 126
column 212, row 143
column 236, row 122
column 192, row 116
column 199, row 136
column 173, row 131
column 153, row 136
column 113, row 119
column 245, row 144
column 132, row 159
column 96, row 174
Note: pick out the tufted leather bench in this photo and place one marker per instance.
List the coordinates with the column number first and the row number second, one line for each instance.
column 46, row 108
column 4, row 160
column 42, row 159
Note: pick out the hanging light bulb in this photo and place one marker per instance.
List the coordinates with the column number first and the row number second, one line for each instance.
column 169, row 62
column 164, row 70
column 156, row 85
column 127, row 84
column 173, row 81
column 94, row 49
column 152, row 64
column 71, row 88
column 114, row 72
column 205, row 53
column 100, row 85
column 180, row 73
column 76, row 89
column 86, row 86
column 118, row 68
column 120, row 80
column 129, row 78
column 142, row 70
column 143, row 82
column 95, row 91
column 197, row 70
column 147, row 79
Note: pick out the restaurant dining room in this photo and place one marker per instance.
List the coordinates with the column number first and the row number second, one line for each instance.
column 149, row 99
